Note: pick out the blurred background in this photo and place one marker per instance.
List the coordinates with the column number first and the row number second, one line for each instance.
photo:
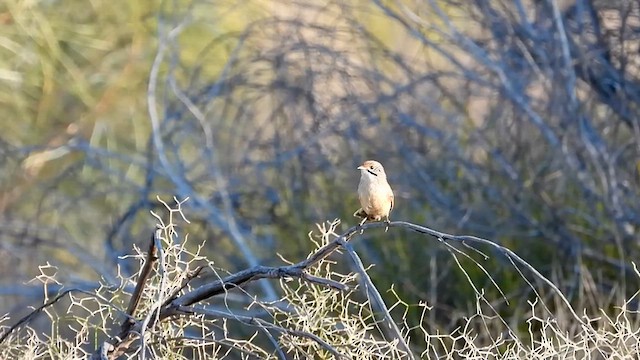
column 512, row 120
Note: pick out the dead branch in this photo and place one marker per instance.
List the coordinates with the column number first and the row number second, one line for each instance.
column 194, row 310
column 32, row 315
column 183, row 305
column 152, row 258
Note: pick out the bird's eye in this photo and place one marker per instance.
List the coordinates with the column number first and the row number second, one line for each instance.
column 371, row 167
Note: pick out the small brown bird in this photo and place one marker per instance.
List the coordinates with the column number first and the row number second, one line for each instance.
column 376, row 196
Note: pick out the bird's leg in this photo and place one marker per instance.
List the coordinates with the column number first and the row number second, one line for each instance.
column 388, row 222
column 362, row 223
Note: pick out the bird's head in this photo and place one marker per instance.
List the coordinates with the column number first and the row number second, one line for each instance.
column 372, row 169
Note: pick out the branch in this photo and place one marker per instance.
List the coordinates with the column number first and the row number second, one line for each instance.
column 152, row 258
column 260, row 272
column 505, row 251
column 40, row 308
column 376, row 299
column 187, row 310
column 183, row 304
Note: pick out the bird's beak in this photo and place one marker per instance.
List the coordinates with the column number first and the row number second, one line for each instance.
column 361, row 168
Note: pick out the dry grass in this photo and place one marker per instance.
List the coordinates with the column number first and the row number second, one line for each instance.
column 310, row 320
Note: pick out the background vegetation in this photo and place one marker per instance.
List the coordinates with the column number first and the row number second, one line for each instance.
column 515, row 121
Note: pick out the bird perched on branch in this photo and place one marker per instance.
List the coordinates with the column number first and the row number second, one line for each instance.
column 374, row 192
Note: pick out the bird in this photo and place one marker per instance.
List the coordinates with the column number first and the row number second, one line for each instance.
column 374, row 193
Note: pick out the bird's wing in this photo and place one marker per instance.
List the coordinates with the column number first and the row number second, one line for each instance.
column 391, row 198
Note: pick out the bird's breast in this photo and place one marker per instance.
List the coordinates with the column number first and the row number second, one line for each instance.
column 375, row 197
